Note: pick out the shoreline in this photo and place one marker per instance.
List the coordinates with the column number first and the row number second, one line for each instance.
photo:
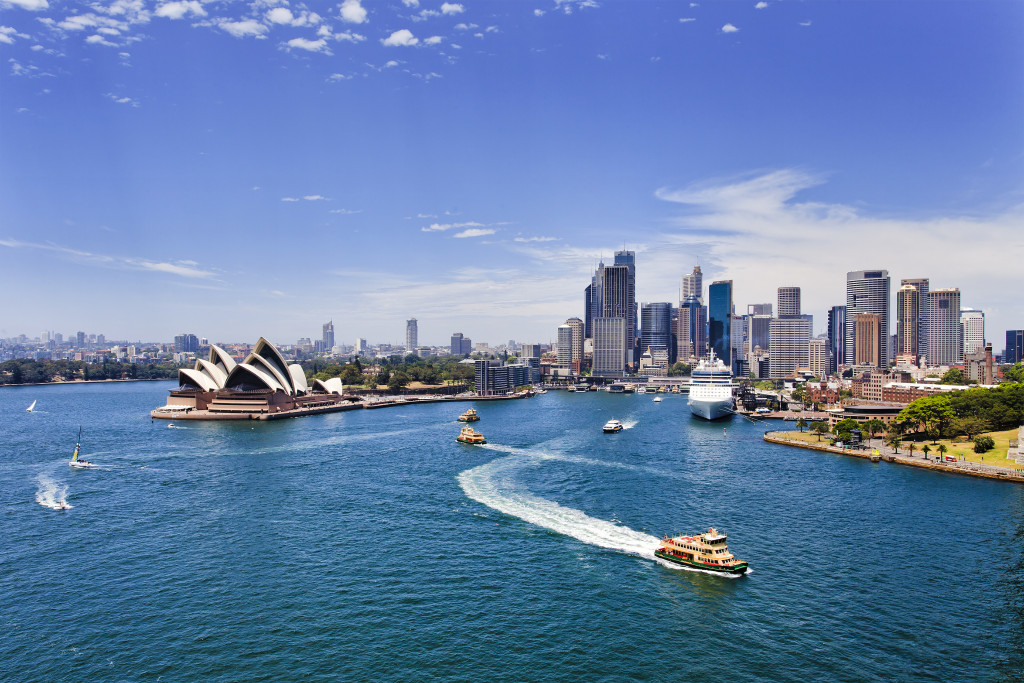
column 974, row 470
column 83, row 381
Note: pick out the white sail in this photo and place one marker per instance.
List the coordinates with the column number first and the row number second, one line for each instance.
column 32, row 407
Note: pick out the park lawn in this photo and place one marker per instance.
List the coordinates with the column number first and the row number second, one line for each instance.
column 806, row 435
column 965, row 449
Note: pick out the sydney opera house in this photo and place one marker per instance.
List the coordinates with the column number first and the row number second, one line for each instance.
column 261, row 387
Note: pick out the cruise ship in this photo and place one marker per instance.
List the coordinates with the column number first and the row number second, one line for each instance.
column 711, row 389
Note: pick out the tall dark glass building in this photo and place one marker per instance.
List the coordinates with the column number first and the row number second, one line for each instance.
column 867, row 291
column 720, row 320
column 655, row 326
column 836, row 338
column 1014, row 350
column 627, row 259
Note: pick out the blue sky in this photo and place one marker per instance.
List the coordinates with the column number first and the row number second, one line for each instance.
column 237, row 169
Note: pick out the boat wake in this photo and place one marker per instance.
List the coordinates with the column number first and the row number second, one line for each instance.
column 52, row 495
column 493, row 484
column 629, row 424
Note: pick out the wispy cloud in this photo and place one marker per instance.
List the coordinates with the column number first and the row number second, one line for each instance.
column 475, row 232
column 308, row 198
column 186, row 269
column 243, row 28
column 761, row 5
column 121, row 99
column 437, row 227
column 535, row 239
column 177, row 10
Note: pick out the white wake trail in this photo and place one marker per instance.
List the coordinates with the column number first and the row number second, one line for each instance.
column 52, row 495
column 491, row 484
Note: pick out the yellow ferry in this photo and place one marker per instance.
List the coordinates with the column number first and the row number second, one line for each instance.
column 469, row 416
column 470, row 435
column 704, row 551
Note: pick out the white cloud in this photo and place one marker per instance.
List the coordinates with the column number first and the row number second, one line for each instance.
column 188, row 269
column 346, row 212
column 389, row 65
column 400, row 38
column 310, row 45
column 686, row 20
column 122, row 100
column 8, row 34
column 350, row 37
column 729, row 28
column 32, row 5
column 761, row 5
column 465, row 27
column 435, row 227
column 452, row 8
column 433, row 40
column 281, row 15
column 411, row 3
column 182, row 268
column 805, row 23
column 315, row 198
column 290, row 199
column 334, row 78
column 352, row 12
column 176, row 10
column 241, row 29
column 538, row 13
column 745, row 226
column 475, row 232
column 535, row 239
column 97, row 39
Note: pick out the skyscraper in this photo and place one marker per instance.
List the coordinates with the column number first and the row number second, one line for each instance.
column 576, row 328
column 720, row 320
column 867, row 346
column 788, row 340
column 328, row 336
column 908, row 323
column 922, row 312
column 836, row 338
column 817, row 357
column 617, row 302
column 867, row 291
column 945, row 346
column 693, row 285
column 789, row 301
column 759, row 309
column 609, row 346
column 691, row 329
column 627, row 259
column 411, row 335
column 758, row 328
column 972, row 330
column 564, row 338
column 588, row 310
column 460, row 345
column 1013, row 352
column 655, row 326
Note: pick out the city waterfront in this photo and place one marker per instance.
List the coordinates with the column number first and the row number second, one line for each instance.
column 369, row 544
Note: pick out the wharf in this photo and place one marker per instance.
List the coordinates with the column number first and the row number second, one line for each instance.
column 970, row 469
column 303, row 411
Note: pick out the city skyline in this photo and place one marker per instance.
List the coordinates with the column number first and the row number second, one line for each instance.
column 470, row 164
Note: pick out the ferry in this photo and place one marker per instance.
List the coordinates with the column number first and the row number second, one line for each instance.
column 470, row 435
column 711, row 389
column 469, row 416
column 704, row 551
column 612, row 426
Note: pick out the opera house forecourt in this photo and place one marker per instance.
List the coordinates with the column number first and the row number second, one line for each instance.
column 261, row 387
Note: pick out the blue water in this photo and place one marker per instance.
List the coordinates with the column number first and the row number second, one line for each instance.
column 369, row 545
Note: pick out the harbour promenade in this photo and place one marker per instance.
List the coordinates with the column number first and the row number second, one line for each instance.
column 886, row 454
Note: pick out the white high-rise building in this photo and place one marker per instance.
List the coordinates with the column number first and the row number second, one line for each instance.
column 609, row 346
column 972, row 324
column 693, row 285
column 411, row 335
column 817, row 357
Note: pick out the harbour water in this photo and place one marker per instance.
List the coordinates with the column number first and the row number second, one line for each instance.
column 369, row 545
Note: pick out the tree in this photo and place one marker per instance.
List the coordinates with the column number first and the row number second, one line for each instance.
column 911, row 447
column 892, row 440
column 844, row 427
column 819, row 427
column 953, row 376
column 942, row 449
column 1014, row 374
column 983, row 444
column 384, row 376
column 801, row 424
column 397, row 382
column 926, row 449
column 874, row 426
column 969, row 426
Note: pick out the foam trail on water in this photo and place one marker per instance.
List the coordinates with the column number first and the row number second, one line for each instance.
column 629, row 424
column 490, row 484
column 52, row 495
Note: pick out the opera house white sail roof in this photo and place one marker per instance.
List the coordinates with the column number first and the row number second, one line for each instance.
column 263, row 369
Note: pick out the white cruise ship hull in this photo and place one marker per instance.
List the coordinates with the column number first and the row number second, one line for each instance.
column 711, row 409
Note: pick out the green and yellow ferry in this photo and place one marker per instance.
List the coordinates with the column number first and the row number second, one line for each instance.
column 704, row 551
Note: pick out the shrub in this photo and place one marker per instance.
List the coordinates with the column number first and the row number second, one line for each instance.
column 983, row 444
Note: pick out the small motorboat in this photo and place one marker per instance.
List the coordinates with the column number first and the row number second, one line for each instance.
column 657, row 399
column 612, row 426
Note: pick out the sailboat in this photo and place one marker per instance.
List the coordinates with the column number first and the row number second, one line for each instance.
column 75, row 462
column 31, row 408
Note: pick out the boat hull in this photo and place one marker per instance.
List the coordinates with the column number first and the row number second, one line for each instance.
column 613, row 431
column 740, row 568
column 711, row 409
